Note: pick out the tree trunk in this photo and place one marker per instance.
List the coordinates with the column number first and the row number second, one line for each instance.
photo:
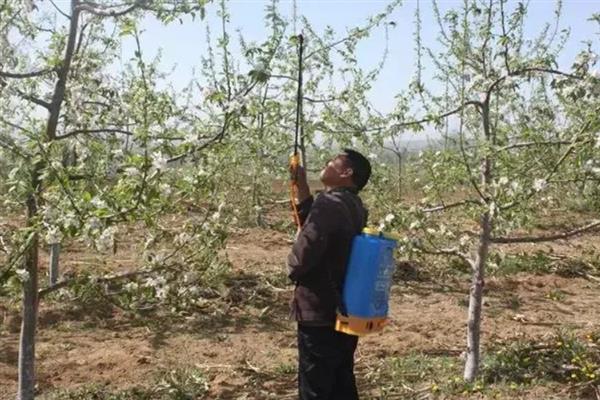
column 477, row 283
column 476, row 300
column 30, row 303
column 399, row 155
column 30, row 286
column 54, row 260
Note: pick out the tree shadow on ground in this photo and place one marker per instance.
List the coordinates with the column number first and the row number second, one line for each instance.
column 247, row 300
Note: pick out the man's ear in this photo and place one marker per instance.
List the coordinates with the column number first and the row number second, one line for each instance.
column 347, row 173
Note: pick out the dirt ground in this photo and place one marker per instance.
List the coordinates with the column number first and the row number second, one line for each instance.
column 247, row 349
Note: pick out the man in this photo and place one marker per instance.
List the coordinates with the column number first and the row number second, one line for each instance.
column 317, row 264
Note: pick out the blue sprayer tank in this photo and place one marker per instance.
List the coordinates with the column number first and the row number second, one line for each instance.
column 367, row 283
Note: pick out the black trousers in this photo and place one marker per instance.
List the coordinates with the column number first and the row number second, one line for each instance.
column 326, row 364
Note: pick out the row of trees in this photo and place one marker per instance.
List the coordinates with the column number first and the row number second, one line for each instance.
column 91, row 147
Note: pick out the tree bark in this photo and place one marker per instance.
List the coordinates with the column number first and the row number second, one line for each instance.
column 476, row 301
column 26, row 374
column 54, row 261
column 477, row 282
column 26, row 389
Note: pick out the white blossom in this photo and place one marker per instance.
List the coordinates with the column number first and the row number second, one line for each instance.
column 192, row 138
column 156, row 282
column 539, row 184
column 98, row 202
column 162, row 292
column 464, row 240
column 389, row 218
column 159, row 161
column 190, row 276
column 132, row 172
column 22, row 274
column 54, row 235
column 106, row 241
column 182, row 238
column 503, row 181
column 372, row 156
column 70, row 221
column 94, row 223
column 165, row 190
column 588, row 165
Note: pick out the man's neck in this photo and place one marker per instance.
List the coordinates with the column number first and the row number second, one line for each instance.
column 340, row 187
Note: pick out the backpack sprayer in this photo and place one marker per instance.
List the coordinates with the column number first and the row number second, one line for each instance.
column 371, row 263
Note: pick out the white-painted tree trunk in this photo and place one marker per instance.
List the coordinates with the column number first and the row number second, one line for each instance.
column 53, row 269
column 477, row 281
column 476, row 301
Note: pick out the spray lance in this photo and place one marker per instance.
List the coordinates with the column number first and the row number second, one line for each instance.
column 295, row 160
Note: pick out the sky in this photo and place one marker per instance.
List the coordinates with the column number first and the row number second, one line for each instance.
column 183, row 44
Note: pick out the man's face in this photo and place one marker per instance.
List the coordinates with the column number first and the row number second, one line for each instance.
column 336, row 171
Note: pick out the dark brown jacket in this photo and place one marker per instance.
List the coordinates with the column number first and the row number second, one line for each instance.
column 317, row 262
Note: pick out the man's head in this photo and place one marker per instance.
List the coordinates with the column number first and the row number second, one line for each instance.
column 347, row 169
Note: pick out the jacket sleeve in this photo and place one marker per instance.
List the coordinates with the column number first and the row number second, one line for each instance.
column 304, row 209
column 312, row 239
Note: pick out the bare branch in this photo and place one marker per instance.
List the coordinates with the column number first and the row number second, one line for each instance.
column 444, row 207
column 92, row 131
column 524, row 71
column 24, row 75
column 283, row 77
column 548, row 238
column 35, row 100
column 105, row 279
column 59, row 10
column 8, row 143
column 440, row 116
column 453, row 251
column 532, row 144
column 557, row 165
column 311, row 100
column 218, row 137
column 104, row 11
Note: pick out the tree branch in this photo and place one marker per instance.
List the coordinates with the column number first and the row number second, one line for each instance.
column 528, row 70
column 444, row 207
column 531, row 144
column 35, row 100
column 105, row 279
column 63, row 74
column 548, row 238
column 91, row 131
column 64, row 14
column 453, row 251
column 311, row 100
column 24, row 75
column 440, row 116
column 104, row 11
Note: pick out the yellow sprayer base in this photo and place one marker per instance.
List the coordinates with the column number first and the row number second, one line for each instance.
column 359, row 326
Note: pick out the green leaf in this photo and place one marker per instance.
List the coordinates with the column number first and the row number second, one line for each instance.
column 259, row 75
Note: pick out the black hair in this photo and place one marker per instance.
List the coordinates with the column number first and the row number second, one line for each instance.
column 361, row 168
